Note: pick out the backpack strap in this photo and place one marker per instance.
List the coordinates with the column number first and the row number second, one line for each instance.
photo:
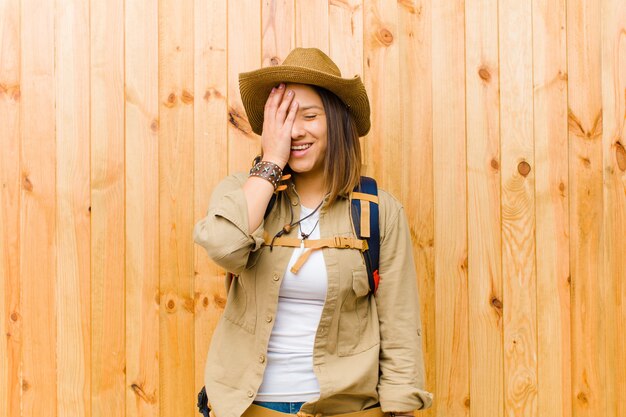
column 364, row 206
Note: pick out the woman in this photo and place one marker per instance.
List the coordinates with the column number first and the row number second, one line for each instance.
column 301, row 331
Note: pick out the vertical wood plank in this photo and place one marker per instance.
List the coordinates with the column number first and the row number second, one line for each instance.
column 614, row 215
column 142, row 209
column 381, row 74
column 176, row 358
column 108, row 365
column 10, row 324
column 311, row 24
column 73, row 267
column 278, row 35
column 210, row 163
column 38, row 246
column 552, row 189
column 586, row 207
column 416, row 176
column 244, row 54
column 518, row 209
column 449, row 163
column 345, row 24
column 486, row 361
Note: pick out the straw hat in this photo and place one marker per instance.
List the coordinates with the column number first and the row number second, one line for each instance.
column 303, row 66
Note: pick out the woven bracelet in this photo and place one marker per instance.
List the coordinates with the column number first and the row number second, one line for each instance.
column 268, row 171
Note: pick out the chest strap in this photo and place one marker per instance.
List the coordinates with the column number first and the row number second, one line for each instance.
column 339, row 242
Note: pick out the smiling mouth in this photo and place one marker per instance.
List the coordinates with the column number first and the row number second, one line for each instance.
column 301, row 147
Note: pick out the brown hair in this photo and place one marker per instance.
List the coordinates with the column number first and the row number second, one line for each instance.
column 342, row 162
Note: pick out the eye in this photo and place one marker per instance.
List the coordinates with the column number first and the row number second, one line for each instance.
column 310, row 116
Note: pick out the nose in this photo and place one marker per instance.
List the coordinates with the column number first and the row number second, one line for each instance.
column 297, row 130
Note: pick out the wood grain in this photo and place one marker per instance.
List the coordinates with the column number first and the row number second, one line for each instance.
column 485, row 286
column 277, row 29
column 450, row 207
column 244, row 54
column 416, row 178
column 38, row 312
column 176, row 137
column 345, row 25
column 614, row 204
column 210, row 162
column 311, row 24
column 142, row 296
column 552, row 217
column 108, row 344
column 588, row 338
column 381, row 74
column 10, row 190
column 518, row 209
column 73, row 268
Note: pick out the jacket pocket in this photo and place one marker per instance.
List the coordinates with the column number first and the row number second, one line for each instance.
column 355, row 319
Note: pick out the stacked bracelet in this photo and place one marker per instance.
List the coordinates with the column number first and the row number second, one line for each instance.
column 268, row 171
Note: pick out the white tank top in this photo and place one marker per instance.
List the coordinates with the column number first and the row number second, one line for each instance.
column 289, row 372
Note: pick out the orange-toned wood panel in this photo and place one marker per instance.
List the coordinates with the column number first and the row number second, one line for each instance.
column 143, row 386
column 10, row 192
column 485, row 278
column 108, row 203
column 450, row 225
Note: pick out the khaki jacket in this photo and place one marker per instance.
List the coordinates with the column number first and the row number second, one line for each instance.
column 359, row 335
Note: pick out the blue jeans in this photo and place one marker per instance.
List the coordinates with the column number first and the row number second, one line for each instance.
column 283, row 407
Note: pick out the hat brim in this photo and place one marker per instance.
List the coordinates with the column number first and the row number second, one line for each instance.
column 255, row 87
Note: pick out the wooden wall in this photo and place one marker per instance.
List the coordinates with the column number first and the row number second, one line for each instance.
column 499, row 124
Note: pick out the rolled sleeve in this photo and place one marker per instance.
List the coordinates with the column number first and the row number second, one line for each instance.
column 401, row 383
column 223, row 232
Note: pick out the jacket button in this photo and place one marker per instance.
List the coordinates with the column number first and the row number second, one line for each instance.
column 275, row 277
column 250, row 394
column 262, row 358
column 268, row 318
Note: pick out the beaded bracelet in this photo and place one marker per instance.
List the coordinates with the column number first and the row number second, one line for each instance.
column 268, row 171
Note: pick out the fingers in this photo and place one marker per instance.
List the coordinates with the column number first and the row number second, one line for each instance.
column 291, row 116
column 281, row 114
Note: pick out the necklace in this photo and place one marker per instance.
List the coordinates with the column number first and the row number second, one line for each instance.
column 287, row 228
column 306, row 235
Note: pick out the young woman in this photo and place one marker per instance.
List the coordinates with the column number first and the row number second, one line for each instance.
column 301, row 331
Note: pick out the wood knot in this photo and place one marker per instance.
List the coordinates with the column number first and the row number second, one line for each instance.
column 205, row 302
column 154, row 126
column 467, row 402
column 220, row 302
column 170, row 305
column 25, row 385
column 523, row 168
column 14, row 316
column 187, row 97
column 582, row 397
column 385, row 36
column 496, row 303
column 238, row 121
column 484, row 74
column 620, row 156
column 171, row 100
column 274, row 60
column 26, row 184
column 138, row 390
column 495, row 164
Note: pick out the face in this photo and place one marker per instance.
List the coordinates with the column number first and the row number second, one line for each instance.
column 309, row 133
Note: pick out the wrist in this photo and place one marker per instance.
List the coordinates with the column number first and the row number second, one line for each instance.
column 274, row 160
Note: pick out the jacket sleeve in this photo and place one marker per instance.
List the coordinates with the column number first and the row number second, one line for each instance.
column 401, row 382
column 223, row 232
